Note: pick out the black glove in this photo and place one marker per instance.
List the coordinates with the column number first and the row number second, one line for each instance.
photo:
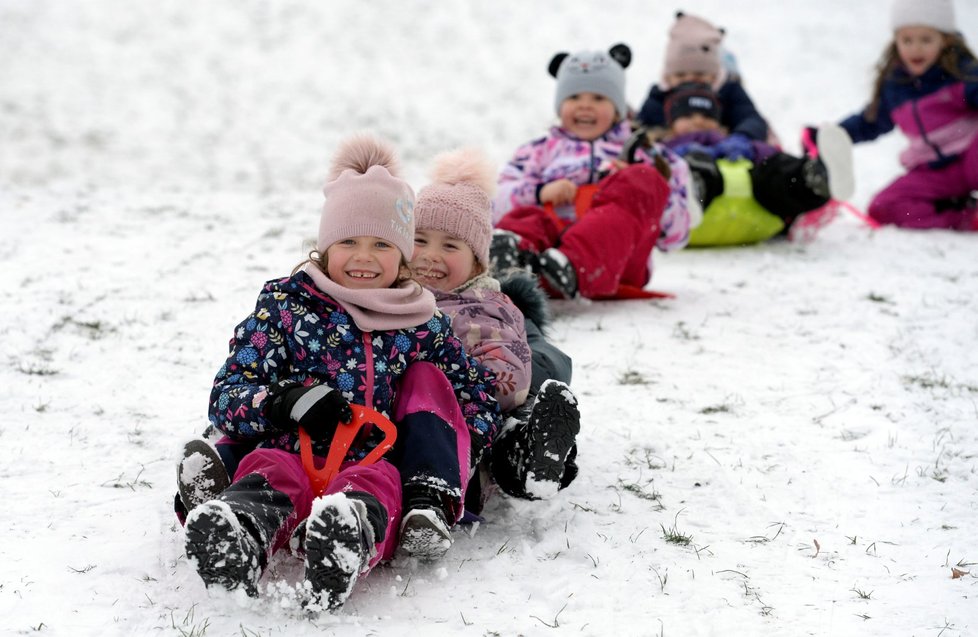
column 318, row 409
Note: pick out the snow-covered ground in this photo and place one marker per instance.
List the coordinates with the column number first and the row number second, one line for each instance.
column 788, row 447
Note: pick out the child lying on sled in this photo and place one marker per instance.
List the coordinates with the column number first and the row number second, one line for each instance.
column 750, row 190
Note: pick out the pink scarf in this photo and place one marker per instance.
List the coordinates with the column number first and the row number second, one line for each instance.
column 382, row 308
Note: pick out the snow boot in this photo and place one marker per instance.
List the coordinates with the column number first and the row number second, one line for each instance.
column 505, row 253
column 201, row 475
column 706, row 177
column 829, row 172
column 552, row 431
column 557, row 272
column 222, row 549
column 424, row 530
column 341, row 537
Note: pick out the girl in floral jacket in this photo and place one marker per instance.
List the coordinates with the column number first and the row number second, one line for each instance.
column 345, row 328
column 533, row 455
column 634, row 210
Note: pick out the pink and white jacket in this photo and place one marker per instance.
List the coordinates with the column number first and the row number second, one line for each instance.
column 559, row 155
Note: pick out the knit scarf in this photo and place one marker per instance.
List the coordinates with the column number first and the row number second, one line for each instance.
column 379, row 309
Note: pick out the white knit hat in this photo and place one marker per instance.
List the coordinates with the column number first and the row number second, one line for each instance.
column 937, row 14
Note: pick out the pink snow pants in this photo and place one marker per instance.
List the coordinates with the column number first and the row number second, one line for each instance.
column 611, row 244
column 283, row 471
column 909, row 201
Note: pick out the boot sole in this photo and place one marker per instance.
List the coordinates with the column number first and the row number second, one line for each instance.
column 835, row 151
column 201, row 475
column 554, row 424
column 334, row 553
column 221, row 549
column 424, row 535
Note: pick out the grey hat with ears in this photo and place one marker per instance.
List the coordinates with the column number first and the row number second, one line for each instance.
column 592, row 72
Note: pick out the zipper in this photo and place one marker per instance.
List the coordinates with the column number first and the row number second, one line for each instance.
column 920, row 126
column 368, row 350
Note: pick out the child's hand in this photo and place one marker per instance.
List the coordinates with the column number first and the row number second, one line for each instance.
column 317, row 409
column 558, row 192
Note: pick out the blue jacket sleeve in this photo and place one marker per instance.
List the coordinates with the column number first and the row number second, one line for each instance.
column 652, row 112
column 739, row 113
column 861, row 129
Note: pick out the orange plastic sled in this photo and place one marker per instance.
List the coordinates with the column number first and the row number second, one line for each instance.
column 582, row 204
column 346, row 432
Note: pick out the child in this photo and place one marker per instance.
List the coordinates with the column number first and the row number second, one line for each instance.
column 927, row 85
column 532, row 456
column 342, row 329
column 633, row 210
column 693, row 54
column 784, row 185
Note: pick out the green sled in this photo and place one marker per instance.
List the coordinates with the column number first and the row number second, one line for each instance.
column 735, row 217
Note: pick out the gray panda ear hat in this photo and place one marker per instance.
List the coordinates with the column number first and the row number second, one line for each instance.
column 592, row 72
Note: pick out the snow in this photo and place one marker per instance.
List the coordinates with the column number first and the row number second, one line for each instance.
column 788, row 447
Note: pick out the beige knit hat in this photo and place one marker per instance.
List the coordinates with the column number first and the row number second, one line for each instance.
column 693, row 47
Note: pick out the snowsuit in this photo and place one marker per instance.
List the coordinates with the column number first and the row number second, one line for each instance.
column 634, row 209
column 737, row 112
column 298, row 334
column 939, row 115
column 777, row 179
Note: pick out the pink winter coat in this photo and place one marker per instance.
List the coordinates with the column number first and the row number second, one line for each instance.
column 559, row 155
column 492, row 331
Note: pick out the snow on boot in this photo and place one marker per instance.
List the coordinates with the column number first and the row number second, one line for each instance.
column 558, row 273
column 424, row 529
column 505, row 253
column 222, row 549
column 552, row 430
column 339, row 543
column 835, row 154
column 200, row 474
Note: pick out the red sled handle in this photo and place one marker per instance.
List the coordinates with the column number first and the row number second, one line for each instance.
column 346, row 432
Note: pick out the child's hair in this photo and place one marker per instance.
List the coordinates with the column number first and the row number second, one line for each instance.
column 592, row 72
column 951, row 60
column 459, row 200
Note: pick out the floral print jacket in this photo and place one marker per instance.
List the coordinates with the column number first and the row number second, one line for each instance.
column 298, row 334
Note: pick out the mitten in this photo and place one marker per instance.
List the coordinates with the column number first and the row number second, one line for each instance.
column 733, row 147
column 318, row 409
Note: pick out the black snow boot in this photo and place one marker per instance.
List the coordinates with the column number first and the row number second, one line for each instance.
column 341, row 537
column 425, row 533
column 201, row 475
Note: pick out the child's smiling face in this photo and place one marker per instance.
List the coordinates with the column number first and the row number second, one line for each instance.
column 442, row 261
column 587, row 116
column 918, row 47
column 362, row 263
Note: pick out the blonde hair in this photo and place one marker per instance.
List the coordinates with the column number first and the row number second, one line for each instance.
column 953, row 56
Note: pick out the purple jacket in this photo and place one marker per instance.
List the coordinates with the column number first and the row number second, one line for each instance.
column 562, row 156
column 492, row 329
column 936, row 111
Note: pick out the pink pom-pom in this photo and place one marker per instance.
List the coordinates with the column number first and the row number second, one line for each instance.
column 361, row 151
column 465, row 165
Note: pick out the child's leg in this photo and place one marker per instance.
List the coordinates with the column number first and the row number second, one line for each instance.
column 350, row 529
column 612, row 243
column 787, row 187
column 232, row 537
column 537, row 229
column 910, row 201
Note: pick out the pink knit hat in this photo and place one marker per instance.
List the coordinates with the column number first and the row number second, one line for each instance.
column 694, row 47
column 365, row 197
column 459, row 199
